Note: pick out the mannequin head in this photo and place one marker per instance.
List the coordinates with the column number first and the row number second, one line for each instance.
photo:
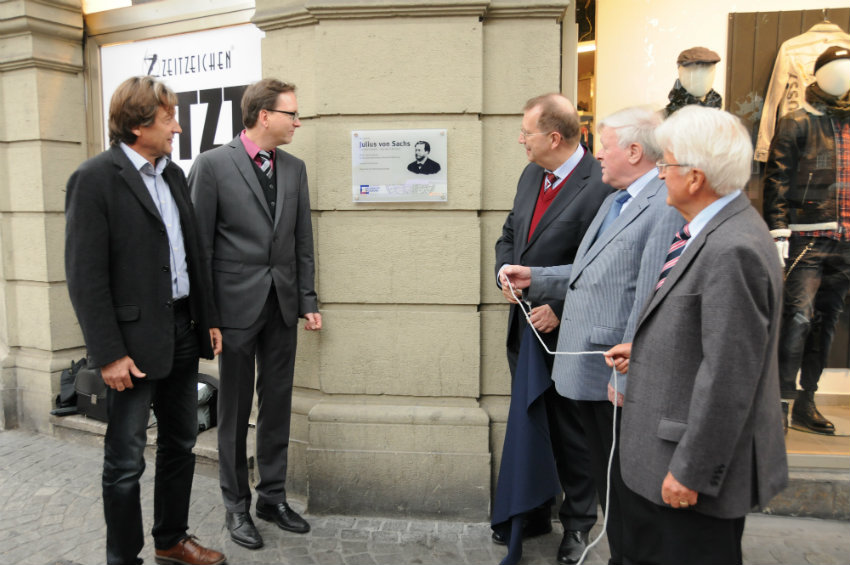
column 697, row 78
column 696, row 70
column 832, row 71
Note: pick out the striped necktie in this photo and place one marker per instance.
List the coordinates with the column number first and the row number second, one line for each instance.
column 550, row 181
column 674, row 253
column 265, row 158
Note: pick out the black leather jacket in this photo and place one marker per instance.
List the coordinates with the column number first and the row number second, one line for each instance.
column 799, row 179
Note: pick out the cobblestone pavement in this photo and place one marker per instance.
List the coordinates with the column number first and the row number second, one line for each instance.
column 50, row 514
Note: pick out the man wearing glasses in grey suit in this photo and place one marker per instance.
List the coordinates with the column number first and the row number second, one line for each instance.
column 253, row 210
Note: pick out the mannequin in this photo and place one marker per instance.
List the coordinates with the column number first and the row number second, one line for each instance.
column 834, row 77
column 805, row 211
column 792, row 73
column 696, row 76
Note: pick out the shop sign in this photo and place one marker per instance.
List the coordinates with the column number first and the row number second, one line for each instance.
column 209, row 71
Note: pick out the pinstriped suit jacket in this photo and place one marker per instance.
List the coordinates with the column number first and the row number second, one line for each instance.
column 606, row 287
column 557, row 237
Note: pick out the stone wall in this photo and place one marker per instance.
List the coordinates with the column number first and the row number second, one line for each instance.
column 401, row 400
column 406, row 385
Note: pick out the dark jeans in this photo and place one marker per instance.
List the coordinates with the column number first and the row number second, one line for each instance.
column 815, row 288
column 174, row 398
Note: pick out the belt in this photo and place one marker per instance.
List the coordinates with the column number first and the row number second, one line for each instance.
column 180, row 305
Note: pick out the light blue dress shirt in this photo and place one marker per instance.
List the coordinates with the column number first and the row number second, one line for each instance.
column 170, row 215
column 700, row 220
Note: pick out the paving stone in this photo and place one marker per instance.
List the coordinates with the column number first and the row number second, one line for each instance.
column 351, row 534
column 395, row 525
column 382, row 537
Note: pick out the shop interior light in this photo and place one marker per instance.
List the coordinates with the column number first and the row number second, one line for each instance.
column 586, row 46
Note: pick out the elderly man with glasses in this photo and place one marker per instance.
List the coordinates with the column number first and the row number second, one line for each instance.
column 702, row 439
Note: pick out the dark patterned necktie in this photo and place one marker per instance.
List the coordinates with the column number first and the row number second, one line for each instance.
column 550, row 181
column 674, row 253
column 265, row 158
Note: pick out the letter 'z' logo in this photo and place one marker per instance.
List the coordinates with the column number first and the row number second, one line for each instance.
column 152, row 59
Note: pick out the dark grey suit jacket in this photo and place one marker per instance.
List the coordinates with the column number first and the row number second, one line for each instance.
column 559, row 232
column 246, row 247
column 606, row 288
column 118, row 265
column 703, row 398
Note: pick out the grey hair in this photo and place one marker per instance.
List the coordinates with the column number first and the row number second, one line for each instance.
column 711, row 140
column 635, row 124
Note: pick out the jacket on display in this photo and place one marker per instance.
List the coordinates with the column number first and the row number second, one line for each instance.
column 792, row 73
column 799, row 183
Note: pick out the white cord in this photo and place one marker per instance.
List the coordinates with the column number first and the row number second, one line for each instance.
column 527, row 313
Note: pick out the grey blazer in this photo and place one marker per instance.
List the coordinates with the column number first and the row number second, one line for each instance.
column 246, row 247
column 606, row 288
column 703, row 399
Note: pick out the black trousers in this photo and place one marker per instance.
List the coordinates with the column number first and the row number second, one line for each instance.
column 628, row 519
column 572, row 456
column 174, row 398
column 683, row 536
column 272, row 344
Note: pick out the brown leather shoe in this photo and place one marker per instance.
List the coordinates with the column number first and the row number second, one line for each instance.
column 189, row 552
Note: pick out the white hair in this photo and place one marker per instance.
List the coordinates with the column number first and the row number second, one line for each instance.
column 635, row 124
column 711, row 140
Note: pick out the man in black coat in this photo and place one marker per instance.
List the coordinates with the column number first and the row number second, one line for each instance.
column 558, row 194
column 137, row 283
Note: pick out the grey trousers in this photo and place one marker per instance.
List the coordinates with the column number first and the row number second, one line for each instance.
column 272, row 344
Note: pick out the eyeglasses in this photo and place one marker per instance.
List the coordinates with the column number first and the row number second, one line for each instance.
column 663, row 166
column 293, row 115
column 525, row 134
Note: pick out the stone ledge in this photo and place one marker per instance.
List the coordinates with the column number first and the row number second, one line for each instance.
column 814, row 493
column 811, row 492
column 87, row 431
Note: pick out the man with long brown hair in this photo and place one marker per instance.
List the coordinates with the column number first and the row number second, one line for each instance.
column 144, row 303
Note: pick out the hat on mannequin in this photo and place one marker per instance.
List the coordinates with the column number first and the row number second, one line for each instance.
column 696, row 75
column 696, row 70
column 832, row 71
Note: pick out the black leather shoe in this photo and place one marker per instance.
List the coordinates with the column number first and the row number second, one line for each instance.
column 806, row 415
column 530, row 529
column 572, row 546
column 242, row 530
column 285, row 517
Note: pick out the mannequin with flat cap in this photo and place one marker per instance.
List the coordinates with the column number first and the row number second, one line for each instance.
column 806, row 195
column 696, row 76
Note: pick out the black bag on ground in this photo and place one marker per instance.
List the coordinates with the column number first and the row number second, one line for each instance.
column 66, row 400
column 91, row 394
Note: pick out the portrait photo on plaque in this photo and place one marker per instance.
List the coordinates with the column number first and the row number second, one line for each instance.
column 405, row 165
